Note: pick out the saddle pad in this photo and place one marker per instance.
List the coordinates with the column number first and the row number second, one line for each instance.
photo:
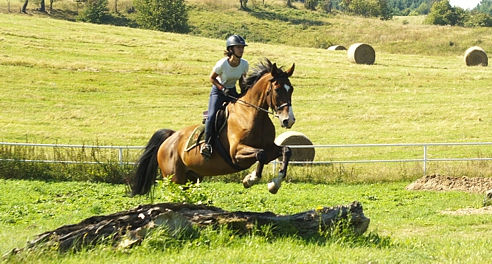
column 196, row 137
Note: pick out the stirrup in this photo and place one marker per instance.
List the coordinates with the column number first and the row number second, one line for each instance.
column 206, row 150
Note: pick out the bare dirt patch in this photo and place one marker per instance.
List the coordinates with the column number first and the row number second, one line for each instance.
column 446, row 183
column 464, row 184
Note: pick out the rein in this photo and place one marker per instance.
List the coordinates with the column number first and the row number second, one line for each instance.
column 252, row 105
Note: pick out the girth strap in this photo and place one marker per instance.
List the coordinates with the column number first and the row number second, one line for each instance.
column 225, row 155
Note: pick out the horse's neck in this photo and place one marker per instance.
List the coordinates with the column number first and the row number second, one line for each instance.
column 247, row 111
column 257, row 94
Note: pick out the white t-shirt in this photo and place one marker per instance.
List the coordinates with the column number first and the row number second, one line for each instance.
column 228, row 75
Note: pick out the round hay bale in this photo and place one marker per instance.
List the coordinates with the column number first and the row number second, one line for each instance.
column 296, row 138
column 361, row 53
column 476, row 56
column 337, row 47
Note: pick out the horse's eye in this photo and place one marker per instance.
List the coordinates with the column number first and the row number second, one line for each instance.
column 284, row 86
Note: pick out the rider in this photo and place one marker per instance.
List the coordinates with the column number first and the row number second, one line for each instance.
column 226, row 72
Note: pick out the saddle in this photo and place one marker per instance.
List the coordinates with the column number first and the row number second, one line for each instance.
column 197, row 137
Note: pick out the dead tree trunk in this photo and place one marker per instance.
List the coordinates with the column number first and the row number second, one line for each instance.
column 129, row 227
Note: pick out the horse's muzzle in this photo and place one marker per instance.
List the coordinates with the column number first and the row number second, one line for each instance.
column 287, row 119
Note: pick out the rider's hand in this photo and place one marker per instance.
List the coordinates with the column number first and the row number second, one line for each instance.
column 225, row 91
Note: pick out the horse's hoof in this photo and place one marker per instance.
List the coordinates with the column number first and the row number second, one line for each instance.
column 273, row 186
column 246, row 183
column 250, row 180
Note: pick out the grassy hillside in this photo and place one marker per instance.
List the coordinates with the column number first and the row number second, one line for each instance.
column 274, row 23
column 67, row 82
column 302, row 28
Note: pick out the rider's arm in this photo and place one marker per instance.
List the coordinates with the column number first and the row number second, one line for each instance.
column 242, row 82
column 215, row 81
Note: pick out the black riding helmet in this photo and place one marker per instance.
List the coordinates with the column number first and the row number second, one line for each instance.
column 235, row 40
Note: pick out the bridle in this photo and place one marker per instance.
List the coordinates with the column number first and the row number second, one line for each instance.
column 280, row 107
column 270, row 105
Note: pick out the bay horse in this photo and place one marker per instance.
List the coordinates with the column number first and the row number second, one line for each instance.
column 246, row 138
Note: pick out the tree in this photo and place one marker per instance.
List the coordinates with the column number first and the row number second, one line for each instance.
column 325, row 5
column 51, row 5
column 423, row 9
column 96, row 11
column 243, row 3
column 406, row 7
column 367, row 8
column 485, row 6
column 310, row 4
column 441, row 14
column 479, row 20
column 24, row 6
column 385, row 10
column 163, row 15
column 42, row 6
column 460, row 16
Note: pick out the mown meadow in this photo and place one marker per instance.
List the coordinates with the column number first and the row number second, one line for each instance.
column 74, row 83
column 406, row 226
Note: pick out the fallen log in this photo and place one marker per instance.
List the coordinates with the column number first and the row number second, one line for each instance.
column 130, row 227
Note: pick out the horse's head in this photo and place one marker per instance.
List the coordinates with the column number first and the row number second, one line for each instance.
column 280, row 92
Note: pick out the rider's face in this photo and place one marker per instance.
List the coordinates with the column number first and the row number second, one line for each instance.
column 238, row 51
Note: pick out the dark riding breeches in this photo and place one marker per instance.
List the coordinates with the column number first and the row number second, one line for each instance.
column 217, row 99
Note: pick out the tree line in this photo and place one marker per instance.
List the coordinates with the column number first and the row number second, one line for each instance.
column 172, row 16
column 439, row 12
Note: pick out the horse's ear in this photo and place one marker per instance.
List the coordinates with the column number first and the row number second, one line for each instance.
column 291, row 70
column 274, row 70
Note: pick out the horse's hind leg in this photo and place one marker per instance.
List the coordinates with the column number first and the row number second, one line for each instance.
column 274, row 185
column 173, row 168
column 193, row 176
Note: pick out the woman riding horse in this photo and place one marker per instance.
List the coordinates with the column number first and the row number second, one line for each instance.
column 226, row 72
column 247, row 137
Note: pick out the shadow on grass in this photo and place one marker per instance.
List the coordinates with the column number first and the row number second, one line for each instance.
column 263, row 14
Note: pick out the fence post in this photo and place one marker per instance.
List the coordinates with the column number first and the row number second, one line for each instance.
column 425, row 160
column 120, row 156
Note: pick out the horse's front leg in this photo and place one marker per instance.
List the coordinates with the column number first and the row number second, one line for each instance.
column 255, row 176
column 274, row 185
column 263, row 157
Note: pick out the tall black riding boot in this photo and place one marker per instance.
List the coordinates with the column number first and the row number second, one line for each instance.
column 206, row 149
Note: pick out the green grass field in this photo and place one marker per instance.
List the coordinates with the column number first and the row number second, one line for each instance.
column 406, row 226
column 74, row 83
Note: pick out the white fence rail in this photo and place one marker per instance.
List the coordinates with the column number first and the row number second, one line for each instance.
column 119, row 149
column 424, row 160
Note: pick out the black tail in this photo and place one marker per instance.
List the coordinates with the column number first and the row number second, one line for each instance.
column 147, row 167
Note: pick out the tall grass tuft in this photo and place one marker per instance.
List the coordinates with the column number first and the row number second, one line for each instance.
column 169, row 191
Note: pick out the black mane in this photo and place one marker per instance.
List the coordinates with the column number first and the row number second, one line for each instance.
column 263, row 67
